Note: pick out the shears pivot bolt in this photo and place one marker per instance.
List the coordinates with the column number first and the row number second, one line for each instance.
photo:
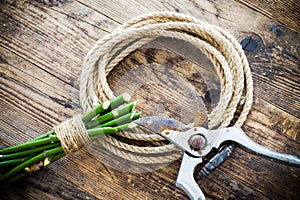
column 197, row 142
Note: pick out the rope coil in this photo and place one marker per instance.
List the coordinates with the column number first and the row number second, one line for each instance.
column 72, row 135
column 217, row 44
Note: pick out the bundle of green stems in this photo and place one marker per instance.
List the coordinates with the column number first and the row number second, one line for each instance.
column 107, row 118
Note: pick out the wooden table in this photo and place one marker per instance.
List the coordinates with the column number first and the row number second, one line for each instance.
column 43, row 45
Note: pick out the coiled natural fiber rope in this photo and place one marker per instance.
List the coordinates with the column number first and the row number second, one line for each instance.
column 217, row 44
column 72, row 135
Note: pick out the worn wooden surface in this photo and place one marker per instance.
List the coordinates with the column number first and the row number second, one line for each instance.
column 42, row 47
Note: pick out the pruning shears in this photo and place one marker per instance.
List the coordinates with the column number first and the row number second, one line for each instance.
column 198, row 142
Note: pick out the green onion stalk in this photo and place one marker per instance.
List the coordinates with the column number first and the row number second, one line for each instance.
column 107, row 118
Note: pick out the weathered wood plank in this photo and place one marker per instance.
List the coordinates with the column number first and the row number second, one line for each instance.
column 286, row 12
column 43, row 185
column 34, row 31
column 40, row 40
column 64, row 167
column 266, row 42
column 31, row 86
column 265, row 127
column 266, row 45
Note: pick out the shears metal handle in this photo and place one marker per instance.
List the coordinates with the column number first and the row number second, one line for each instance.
column 185, row 179
column 213, row 139
column 198, row 142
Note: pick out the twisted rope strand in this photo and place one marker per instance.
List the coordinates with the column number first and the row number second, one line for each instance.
column 72, row 135
column 218, row 45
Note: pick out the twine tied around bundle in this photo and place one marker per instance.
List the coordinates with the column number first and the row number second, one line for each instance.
column 218, row 45
column 72, row 134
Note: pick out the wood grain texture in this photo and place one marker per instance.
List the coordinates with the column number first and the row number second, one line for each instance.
column 42, row 46
column 285, row 12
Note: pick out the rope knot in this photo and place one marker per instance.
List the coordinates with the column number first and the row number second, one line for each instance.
column 72, row 135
